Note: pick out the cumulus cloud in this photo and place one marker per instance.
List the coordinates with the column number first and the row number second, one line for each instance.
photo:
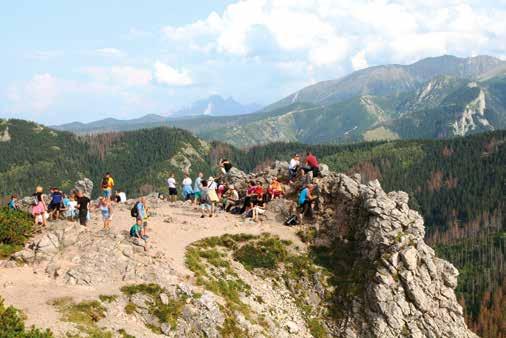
column 328, row 33
column 165, row 74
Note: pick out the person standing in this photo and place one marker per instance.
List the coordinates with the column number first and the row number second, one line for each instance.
column 56, row 203
column 142, row 211
column 107, row 186
column 187, row 187
column 225, row 166
column 171, row 182
column 83, row 205
column 106, row 209
column 197, row 186
column 39, row 207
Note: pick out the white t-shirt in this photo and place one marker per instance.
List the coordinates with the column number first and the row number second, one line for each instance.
column 187, row 181
column 171, row 182
column 122, row 197
column 72, row 205
column 293, row 164
column 212, row 185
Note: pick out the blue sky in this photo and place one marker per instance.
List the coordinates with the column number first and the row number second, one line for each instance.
column 64, row 61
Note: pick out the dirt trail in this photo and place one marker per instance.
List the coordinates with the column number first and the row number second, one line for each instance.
column 30, row 289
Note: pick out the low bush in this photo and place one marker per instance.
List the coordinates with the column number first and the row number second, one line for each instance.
column 15, row 228
column 13, row 326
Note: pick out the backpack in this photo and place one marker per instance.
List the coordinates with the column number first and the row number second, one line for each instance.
column 134, row 212
column 292, row 220
column 105, row 183
column 35, row 200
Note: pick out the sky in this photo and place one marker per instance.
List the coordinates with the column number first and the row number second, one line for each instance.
column 64, row 61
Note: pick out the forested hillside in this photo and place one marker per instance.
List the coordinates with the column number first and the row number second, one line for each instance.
column 458, row 185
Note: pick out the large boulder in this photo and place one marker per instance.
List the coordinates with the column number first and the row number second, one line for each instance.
column 85, row 185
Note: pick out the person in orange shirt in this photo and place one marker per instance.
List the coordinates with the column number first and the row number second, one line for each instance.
column 275, row 189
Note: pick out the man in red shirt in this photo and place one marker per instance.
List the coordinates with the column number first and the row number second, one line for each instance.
column 312, row 164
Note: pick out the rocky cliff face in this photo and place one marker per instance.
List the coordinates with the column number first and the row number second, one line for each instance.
column 408, row 290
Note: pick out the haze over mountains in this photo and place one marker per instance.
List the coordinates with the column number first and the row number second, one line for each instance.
column 433, row 98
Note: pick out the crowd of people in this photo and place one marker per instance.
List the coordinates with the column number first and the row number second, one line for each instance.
column 210, row 195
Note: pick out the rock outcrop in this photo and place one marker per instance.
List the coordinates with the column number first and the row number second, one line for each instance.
column 85, row 185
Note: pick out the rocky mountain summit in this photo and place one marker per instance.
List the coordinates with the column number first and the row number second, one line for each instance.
column 363, row 270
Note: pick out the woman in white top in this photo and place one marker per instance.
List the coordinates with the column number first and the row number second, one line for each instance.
column 171, row 182
column 187, row 187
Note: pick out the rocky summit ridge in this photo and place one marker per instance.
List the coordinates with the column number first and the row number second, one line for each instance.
column 380, row 278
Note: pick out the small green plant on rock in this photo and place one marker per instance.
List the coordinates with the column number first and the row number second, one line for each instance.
column 12, row 324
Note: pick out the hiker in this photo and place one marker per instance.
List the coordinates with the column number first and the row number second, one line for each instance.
column 212, row 195
column 138, row 235
column 275, row 189
column 107, row 185
column 83, row 205
column 187, row 188
column 171, row 182
column 225, row 166
column 250, row 196
column 230, row 198
column 70, row 206
column 55, row 205
column 106, row 209
column 13, row 203
column 196, row 187
column 206, row 206
column 311, row 166
column 140, row 211
column 120, row 196
column 293, row 167
column 305, row 200
column 39, row 207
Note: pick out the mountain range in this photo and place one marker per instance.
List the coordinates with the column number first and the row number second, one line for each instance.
column 436, row 97
column 214, row 105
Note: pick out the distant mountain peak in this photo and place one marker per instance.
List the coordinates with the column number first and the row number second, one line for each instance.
column 216, row 105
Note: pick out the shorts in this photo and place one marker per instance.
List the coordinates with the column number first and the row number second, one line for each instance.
column 205, row 206
column 107, row 193
column 107, row 217
column 172, row 191
column 197, row 194
column 54, row 206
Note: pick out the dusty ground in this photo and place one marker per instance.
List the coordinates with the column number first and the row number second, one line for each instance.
column 30, row 289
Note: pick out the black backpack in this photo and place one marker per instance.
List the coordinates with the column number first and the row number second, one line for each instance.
column 105, row 182
column 291, row 221
column 134, row 212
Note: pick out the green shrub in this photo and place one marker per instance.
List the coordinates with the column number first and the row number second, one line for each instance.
column 266, row 253
column 13, row 326
column 15, row 228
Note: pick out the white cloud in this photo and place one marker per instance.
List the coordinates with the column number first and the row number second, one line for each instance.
column 328, row 32
column 36, row 95
column 109, row 52
column 165, row 74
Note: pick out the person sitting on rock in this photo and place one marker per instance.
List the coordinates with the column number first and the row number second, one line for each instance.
column 250, row 196
column 305, row 200
column 120, row 196
column 230, row 198
column 293, row 167
column 13, row 204
column 187, row 187
column 206, row 206
column 138, row 235
column 275, row 189
column 225, row 166
column 312, row 166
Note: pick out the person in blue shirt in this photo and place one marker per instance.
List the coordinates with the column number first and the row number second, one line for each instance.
column 305, row 202
column 13, row 203
column 56, row 203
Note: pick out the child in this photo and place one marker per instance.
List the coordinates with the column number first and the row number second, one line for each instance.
column 205, row 203
column 106, row 209
column 138, row 236
column 13, row 203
